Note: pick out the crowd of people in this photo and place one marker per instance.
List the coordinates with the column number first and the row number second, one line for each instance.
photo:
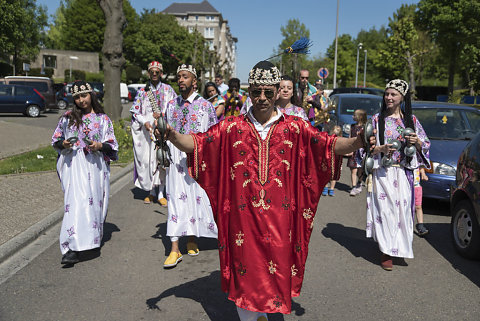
column 259, row 196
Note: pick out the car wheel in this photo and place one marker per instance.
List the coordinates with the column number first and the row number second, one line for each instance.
column 62, row 104
column 465, row 230
column 33, row 111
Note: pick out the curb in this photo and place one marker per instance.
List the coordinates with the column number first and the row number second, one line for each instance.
column 24, row 238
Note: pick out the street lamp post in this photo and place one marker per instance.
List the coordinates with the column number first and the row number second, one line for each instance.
column 71, row 58
column 359, row 47
column 336, row 45
column 365, row 69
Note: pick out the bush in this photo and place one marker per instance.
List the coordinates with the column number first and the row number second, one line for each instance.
column 94, row 77
column 76, row 75
column 134, row 73
column 5, row 69
column 123, row 135
column 47, row 72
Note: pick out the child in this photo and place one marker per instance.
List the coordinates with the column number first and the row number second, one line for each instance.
column 85, row 142
column 360, row 118
column 419, row 173
column 336, row 130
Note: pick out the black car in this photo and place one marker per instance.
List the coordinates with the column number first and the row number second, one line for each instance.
column 132, row 92
column 98, row 89
column 465, row 202
column 357, row 90
column 21, row 99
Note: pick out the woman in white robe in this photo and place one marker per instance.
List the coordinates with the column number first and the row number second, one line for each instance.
column 390, row 202
column 85, row 141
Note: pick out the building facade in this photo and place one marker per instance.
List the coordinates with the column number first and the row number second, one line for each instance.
column 61, row 60
column 204, row 18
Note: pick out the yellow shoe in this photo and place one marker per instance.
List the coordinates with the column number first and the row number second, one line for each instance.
column 192, row 249
column 163, row 202
column 148, row 199
column 173, row 259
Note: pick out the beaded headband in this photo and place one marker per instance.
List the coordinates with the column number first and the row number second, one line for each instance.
column 264, row 73
column 155, row 64
column 189, row 68
column 81, row 87
column 398, row 84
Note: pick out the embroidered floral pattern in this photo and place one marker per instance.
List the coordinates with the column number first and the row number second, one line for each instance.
column 294, row 270
column 239, row 241
column 272, row 267
column 307, row 213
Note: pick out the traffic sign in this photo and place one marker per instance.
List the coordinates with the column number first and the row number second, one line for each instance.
column 322, row 73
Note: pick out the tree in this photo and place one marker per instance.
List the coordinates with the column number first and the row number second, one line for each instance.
column 158, row 37
column 373, row 41
column 454, row 26
column 21, row 25
column 291, row 64
column 112, row 51
column 346, row 58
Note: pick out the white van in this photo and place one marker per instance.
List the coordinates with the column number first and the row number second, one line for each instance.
column 123, row 93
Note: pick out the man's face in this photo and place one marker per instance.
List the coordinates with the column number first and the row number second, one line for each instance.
column 304, row 74
column 233, row 88
column 262, row 96
column 155, row 74
column 218, row 81
column 185, row 81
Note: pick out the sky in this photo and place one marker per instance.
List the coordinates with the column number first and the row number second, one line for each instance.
column 256, row 23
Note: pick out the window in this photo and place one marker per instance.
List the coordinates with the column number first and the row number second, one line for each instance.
column 210, row 18
column 196, row 18
column 5, row 90
column 209, row 32
column 190, row 29
column 21, row 91
column 50, row 61
column 210, row 44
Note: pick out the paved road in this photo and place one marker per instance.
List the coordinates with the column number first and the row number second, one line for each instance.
column 343, row 280
column 20, row 134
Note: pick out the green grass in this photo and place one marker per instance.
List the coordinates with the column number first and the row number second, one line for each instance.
column 29, row 162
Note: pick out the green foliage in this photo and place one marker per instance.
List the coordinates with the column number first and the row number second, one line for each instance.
column 292, row 64
column 48, row 72
column 123, row 134
column 5, row 69
column 76, row 75
column 134, row 73
column 157, row 31
column 346, row 58
column 21, row 25
column 29, row 162
column 94, row 77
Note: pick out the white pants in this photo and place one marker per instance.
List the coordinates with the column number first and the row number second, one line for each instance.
column 246, row 315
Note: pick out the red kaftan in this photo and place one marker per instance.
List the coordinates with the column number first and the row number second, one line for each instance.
column 264, row 195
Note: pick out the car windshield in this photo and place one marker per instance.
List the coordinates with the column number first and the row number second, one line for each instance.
column 451, row 124
column 349, row 104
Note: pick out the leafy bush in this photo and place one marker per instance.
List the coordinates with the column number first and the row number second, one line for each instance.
column 76, row 75
column 123, row 135
column 94, row 77
column 134, row 73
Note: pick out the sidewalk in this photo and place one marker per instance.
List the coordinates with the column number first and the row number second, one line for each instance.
column 31, row 203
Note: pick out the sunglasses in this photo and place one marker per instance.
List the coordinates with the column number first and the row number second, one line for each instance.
column 154, row 72
column 258, row 92
column 303, row 77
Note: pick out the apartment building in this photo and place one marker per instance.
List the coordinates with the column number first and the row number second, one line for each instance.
column 209, row 22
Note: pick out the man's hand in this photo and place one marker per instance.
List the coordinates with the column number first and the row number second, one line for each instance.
column 148, row 126
column 156, row 115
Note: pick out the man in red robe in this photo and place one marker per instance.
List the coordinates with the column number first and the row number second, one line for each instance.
column 263, row 173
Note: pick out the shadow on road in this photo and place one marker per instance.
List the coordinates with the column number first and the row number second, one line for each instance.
column 204, row 243
column 354, row 240
column 439, row 238
column 207, row 292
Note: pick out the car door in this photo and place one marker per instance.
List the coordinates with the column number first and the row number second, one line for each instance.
column 7, row 100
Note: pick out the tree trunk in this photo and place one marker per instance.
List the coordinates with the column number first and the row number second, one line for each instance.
column 411, row 73
column 452, row 66
column 113, row 55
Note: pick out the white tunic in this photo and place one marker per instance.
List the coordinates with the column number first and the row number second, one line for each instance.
column 85, row 179
column 143, row 146
column 189, row 209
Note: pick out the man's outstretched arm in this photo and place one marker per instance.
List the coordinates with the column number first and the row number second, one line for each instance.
column 181, row 141
column 347, row 145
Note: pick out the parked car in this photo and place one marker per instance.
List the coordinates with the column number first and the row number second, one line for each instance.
column 64, row 96
column 123, row 93
column 465, row 202
column 44, row 85
column 357, row 90
column 98, row 88
column 137, row 86
column 21, row 99
column 345, row 104
column 132, row 92
column 450, row 128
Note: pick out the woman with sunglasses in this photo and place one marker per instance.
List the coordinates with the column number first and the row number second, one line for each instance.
column 390, row 205
column 212, row 94
column 287, row 100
